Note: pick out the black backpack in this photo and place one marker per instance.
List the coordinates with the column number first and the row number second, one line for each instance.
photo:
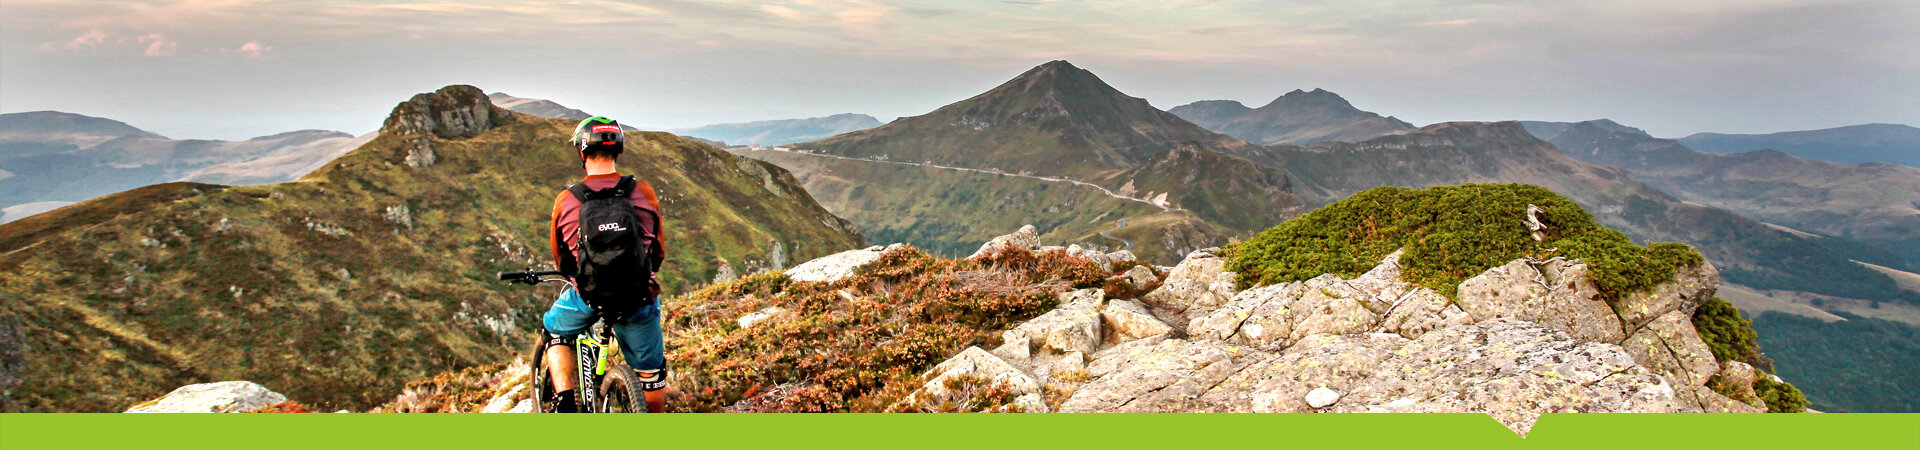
column 612, row 264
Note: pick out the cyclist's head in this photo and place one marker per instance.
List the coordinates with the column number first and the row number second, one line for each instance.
column 599, row 137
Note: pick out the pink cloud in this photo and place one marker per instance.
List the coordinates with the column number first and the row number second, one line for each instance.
column 90, row 39
column 158, row 45
column 253, row 49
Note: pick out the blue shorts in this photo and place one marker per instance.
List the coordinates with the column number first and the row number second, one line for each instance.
column 639, row 335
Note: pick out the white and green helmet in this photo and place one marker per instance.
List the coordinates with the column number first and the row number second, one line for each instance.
column 601, row 132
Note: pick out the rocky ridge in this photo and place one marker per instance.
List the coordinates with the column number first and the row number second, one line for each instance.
column 1522, row 339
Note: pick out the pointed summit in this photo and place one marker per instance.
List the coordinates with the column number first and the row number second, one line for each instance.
column 1054, row 119
column 1316, row 99
column 1296, row 118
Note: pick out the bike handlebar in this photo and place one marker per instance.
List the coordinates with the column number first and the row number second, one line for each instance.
column 528, row 276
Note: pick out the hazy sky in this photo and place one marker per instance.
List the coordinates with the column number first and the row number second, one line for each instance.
column 231, row 69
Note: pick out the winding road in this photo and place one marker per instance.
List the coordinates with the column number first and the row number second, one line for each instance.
column 1102, row 189
column 1108, row 234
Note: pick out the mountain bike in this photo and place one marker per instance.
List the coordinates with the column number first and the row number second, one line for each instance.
column 603, row 386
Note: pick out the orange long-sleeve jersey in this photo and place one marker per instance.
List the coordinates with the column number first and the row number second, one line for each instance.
column 566, row 224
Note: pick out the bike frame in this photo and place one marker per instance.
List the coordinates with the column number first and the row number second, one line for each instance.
column 590, row 350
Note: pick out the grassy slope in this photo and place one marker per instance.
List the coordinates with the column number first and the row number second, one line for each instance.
column 126, row 297
column 950, row 213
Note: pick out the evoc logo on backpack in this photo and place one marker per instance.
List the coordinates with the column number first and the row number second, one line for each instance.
column 612, row 263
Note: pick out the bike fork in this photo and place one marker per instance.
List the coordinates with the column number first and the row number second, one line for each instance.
column 586, row 351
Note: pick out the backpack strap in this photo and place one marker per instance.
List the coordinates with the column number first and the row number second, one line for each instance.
column 580, row 192
column 625, row 188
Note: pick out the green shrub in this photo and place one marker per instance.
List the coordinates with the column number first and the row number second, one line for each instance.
column 1450, row 233
column 1730, row 336
column 1780, row 397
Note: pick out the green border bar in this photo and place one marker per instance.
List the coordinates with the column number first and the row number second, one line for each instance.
column 960, row 431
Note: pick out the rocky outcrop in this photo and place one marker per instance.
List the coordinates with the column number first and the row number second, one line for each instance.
column 837, row 266
column 1027, row 238
column 453, row 112
column 1557, row 294
column 955, row 380
column 221, row 397
column 1194, row 288
column 1522, row 339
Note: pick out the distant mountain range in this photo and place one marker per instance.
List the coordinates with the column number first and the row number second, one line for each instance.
column 781, row 132
column 1299, row 117
column 50, row 158
column 1874, row 204
column 1878, row 142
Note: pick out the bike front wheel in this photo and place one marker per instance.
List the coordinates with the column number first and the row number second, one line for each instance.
column 620, row 393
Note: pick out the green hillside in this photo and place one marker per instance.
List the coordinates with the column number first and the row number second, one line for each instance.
column 949, row 213
column 373, row 271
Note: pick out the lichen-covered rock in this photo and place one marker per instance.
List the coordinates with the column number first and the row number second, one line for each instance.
column 1670, row 346
column 1074, row 326
column 1741, row 376
column 1559, row 295
column 1524, row 339
column 1691, row 287
column 1097, row 257
column 1421, row 310
column 1512, row 370
column 1194, row 288
column 1027, row 238
column 1166, row 377
column 1140, row 275
column 834, row 267
column 1127, row 320
column 1380, row 286
column 221, row 397
column 976, row 364
column 1273, row 317
column 1122, row 257
column 1280, row 383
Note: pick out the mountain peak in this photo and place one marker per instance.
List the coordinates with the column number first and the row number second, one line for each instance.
column 1295, row 118
column 1317, row 99
column 1056, row 74
column 1055, row 117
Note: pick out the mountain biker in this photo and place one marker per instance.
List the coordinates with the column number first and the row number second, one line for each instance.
column 600, row 141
